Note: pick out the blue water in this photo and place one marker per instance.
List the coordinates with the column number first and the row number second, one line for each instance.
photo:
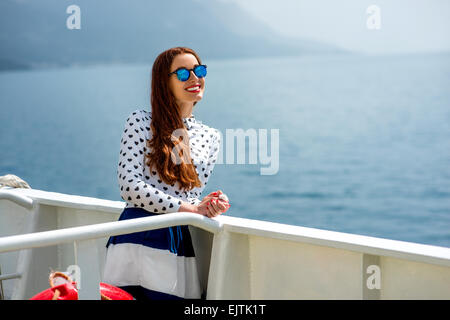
column 364, row 142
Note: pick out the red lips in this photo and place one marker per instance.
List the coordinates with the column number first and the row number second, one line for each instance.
column 195, row 85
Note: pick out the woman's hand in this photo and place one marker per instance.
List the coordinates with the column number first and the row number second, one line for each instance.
column 213, row 204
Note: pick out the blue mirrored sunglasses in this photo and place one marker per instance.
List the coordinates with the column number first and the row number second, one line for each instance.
column 183, row 74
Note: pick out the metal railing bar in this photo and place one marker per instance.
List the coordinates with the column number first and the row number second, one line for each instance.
column 19, row 199
column 95, row 231
column 10, row 276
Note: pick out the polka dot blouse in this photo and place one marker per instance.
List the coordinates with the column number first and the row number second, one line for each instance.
column 142, row 188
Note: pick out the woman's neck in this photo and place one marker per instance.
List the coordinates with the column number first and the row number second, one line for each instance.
column 186, row 109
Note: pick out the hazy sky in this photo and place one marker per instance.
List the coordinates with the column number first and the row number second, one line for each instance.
column 405, row 25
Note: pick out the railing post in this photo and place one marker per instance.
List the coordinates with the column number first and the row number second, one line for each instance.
column 217, row 267
column 25, row 256
column 87, row 259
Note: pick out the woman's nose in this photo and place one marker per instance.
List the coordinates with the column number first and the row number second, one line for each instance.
column 193, row 73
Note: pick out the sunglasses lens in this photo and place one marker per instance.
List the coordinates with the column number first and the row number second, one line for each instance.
column 200, row 71
column 183, row 74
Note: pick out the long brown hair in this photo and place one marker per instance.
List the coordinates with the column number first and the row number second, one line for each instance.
column 166, row 118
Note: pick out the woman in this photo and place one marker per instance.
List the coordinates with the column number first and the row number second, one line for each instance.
column 156, row 175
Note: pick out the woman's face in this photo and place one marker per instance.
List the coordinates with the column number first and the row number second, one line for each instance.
column 178, row 87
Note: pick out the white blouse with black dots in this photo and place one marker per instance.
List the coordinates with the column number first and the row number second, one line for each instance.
column 142, row 188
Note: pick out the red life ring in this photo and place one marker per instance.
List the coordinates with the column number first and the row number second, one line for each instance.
column 62, row 287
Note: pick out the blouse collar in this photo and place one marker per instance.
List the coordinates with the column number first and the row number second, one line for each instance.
column 190, row 122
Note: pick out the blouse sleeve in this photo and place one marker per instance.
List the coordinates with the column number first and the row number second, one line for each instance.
column 133, row 189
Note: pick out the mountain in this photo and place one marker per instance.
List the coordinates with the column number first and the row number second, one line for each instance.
column 34, row 33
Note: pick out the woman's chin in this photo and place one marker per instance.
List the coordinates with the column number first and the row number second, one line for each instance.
column 196, row 97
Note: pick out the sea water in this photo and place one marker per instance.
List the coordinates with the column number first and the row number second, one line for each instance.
column 364, row 141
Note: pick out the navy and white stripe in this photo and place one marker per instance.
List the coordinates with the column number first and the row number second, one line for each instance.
column 157, row 264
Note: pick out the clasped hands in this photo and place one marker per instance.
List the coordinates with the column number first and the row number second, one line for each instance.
column 213, row 204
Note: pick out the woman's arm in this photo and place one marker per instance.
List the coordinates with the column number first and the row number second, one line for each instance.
column 130, row 172
column 188, row 207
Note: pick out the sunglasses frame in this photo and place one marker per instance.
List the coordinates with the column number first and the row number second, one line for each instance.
column 193, row 69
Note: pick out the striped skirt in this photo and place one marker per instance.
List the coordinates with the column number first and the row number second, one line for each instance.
column 157, row 264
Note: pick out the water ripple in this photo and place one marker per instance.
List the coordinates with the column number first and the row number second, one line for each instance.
column 308, row 195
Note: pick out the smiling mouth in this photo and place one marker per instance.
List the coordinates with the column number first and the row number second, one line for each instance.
column 193, row 89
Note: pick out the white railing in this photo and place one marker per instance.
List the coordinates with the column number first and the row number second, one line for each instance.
column 54, row 237
column 238, row 258
column 83, row 238
column 19, row 199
